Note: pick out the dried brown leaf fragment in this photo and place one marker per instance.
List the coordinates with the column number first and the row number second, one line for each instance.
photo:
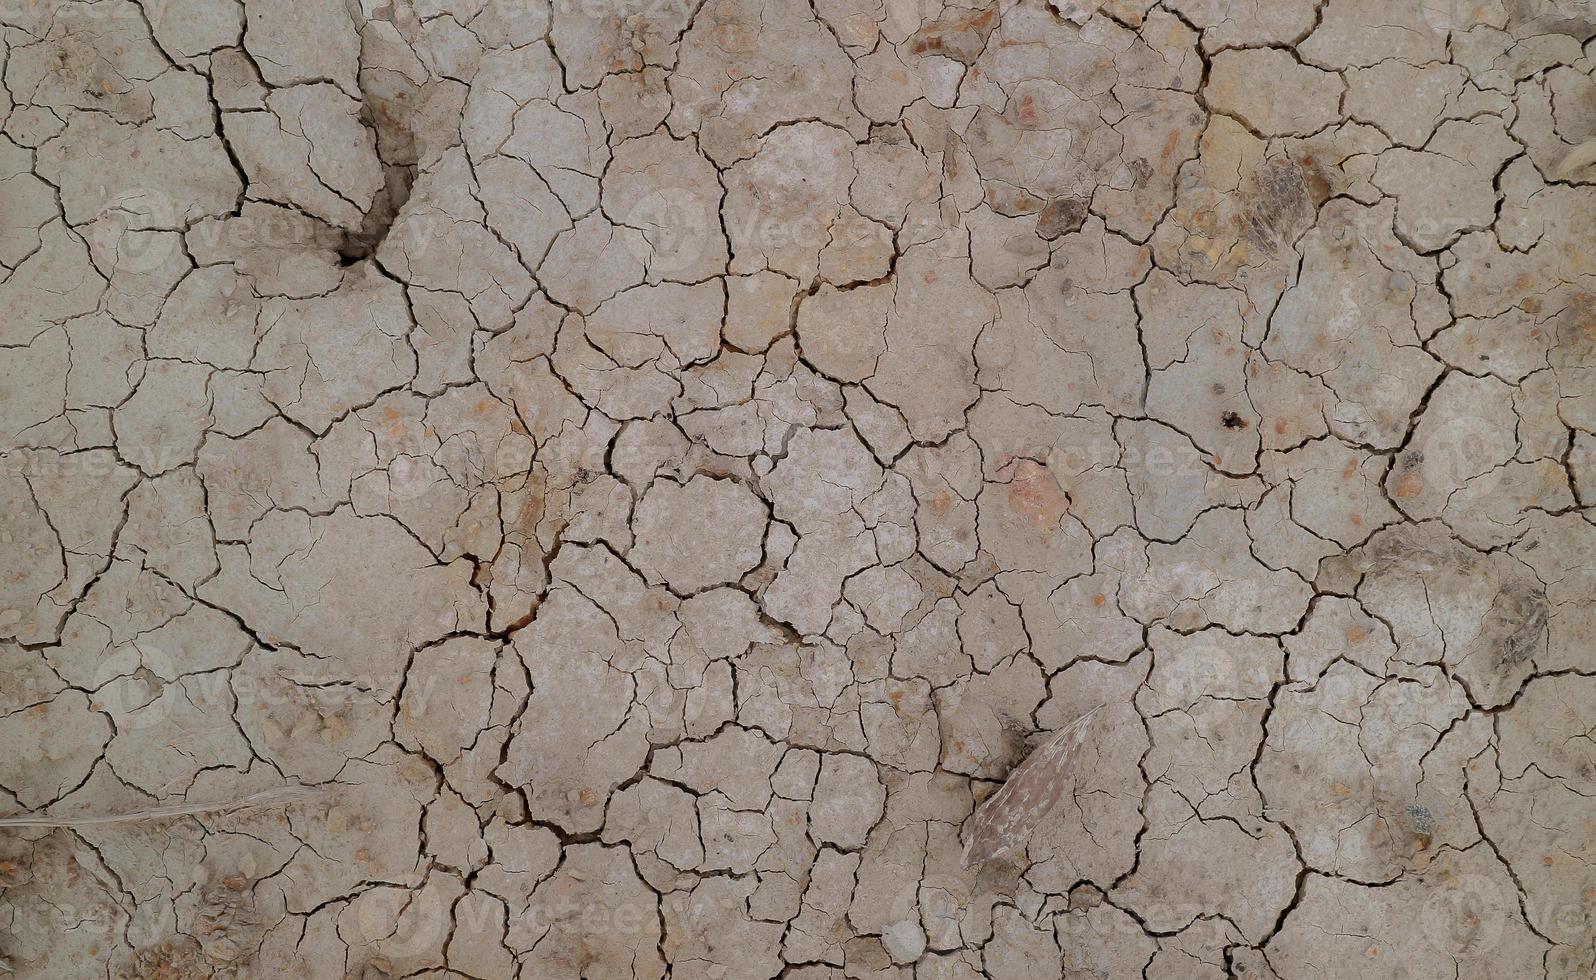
column 1009, row 816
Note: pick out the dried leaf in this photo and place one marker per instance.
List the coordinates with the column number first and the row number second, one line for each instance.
column 1010, row 815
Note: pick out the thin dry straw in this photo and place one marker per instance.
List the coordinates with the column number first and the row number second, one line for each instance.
column 266, row 798
column 282, row 796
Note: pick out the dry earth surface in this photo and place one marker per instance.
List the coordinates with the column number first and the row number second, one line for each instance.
column 651, row 467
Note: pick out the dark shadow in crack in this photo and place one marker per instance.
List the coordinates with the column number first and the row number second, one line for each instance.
column 363, row 243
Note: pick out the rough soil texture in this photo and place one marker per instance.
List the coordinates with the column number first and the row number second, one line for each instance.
column 652, row 467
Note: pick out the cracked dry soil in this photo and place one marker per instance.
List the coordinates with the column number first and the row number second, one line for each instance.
column 638, row 473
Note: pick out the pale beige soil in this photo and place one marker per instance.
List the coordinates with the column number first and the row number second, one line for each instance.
column 651, row 467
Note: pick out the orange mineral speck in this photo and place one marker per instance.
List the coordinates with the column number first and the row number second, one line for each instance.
column 1035, row 494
